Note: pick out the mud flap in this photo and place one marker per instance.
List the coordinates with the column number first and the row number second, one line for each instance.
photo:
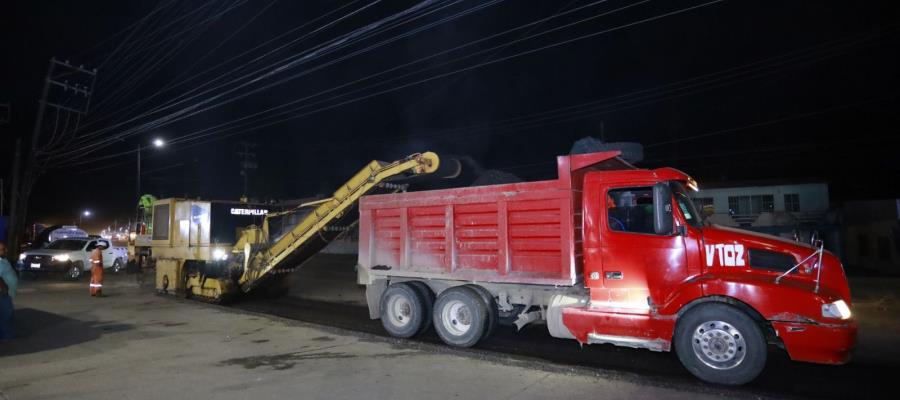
column 373, row 297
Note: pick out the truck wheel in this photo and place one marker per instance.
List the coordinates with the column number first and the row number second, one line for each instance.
column 402, row 310
column 75, row 270
column 428, row 299
column 460, row 316
column 492, row 310
column 720, row 344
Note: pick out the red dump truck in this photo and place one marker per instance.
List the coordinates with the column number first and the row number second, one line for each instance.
column 605, row 254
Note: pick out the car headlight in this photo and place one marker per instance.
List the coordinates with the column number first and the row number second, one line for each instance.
column 61, row 258
column 22, row 257
column 837, row 309
column 219, row 254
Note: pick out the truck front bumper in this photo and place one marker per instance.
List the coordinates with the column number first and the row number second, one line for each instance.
column 817, row 343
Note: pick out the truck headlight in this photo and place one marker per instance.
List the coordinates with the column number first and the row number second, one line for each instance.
column 22, row 257
column 837, row 309
column 61, row 258
column 219, row 254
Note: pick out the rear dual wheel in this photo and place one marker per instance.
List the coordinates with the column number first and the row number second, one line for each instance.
column 406, row 309
column 493, row 312
column 461, row 315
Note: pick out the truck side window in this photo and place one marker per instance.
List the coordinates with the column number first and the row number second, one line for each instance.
column 91, row 246
column 630, row 210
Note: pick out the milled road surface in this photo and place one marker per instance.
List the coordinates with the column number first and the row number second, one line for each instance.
column 134, row 344
column 143, row 343
column 324, row 292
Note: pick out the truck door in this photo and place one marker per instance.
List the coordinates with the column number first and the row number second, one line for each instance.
column 639, row 266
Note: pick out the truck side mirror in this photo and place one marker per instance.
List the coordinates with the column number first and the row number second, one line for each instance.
column 662, row 209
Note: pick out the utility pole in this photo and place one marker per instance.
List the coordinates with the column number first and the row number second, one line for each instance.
column 248, row 162
column 67, row 90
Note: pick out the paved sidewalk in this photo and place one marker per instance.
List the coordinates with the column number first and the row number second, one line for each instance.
column 137, row 345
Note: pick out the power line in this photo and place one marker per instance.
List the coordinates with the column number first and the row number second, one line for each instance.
column 145, row 39
column 395, row 38
column 133, row 27
column 774, row 121
column 597, row 107
column 556, row 44
column 174, row 83
column 527, row 52
column 340, row 42
column 142, row 70
column 118, row 137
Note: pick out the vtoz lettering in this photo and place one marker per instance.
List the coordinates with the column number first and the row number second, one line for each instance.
column 728, row 255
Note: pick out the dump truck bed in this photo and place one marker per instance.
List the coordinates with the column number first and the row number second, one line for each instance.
column 525, row 233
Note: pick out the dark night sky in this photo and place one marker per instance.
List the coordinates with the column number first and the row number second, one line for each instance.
column 827, row 111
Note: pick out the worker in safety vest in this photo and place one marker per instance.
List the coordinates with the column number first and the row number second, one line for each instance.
column 97, row 269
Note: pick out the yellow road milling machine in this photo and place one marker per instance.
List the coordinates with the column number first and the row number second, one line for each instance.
column 195, row 255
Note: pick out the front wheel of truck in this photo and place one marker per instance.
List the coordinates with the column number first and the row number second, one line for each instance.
column 720, row 344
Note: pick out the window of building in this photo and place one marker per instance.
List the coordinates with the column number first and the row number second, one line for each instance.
column 630, row 210
column 792, row 202
column 744, row 205
column 703, row 203
column 862, row 244
column 884, row 248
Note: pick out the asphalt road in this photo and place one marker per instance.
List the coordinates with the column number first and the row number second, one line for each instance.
column 323, row 292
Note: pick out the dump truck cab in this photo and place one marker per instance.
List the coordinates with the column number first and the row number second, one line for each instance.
column 649, row 258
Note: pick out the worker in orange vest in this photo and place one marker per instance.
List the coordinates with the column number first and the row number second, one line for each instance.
column 97, row 270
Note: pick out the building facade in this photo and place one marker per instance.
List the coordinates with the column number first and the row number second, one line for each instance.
column 792, row 211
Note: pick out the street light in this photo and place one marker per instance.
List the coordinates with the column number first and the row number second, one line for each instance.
column 85, row 213
column 158, row 143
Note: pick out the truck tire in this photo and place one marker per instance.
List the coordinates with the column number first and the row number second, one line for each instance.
column 720, row 344
column 75, row 271
column 460, row 316
column 402, row 310
column 428, row 298
column 493, row 317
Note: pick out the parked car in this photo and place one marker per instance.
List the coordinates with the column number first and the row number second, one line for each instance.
column 71, row 256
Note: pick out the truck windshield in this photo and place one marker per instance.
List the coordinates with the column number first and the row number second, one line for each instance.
column 686, row 205
column 66, row 244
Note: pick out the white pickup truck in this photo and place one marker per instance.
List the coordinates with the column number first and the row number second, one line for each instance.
column 72, row 257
